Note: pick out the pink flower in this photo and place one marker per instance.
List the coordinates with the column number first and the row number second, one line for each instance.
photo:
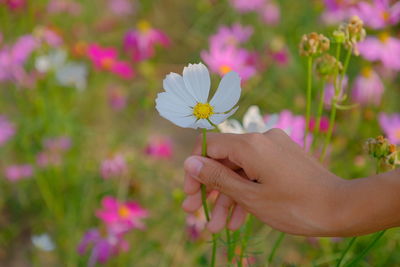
column 121, row 7
column 7, row 130
column 15, row 4
column 159, row 147
column 64, row 6
column 116, row 98
column 330, row 92
column 337, row 10
column 195, row 224
column 113, row 167
column 323, row 125
column 53, row 152
column 15, row 173
column 390, row 124
column 368, row 88
column 270, row 13
column 140, row 43
column 244, row 6
column 231, row 36
column 106, row 59
column 385, row 48
column 121, row 217
column 102, row 247
column 230, row 58
column 378, row 14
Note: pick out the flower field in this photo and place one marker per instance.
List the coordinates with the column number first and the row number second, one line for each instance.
column 91, row 167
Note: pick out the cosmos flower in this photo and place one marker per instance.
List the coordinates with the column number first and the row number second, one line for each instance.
column 106, row 59
column 185, row 100
column 330, row 92
column 385, row 49
column 368, row 88
column 15, row 173
column 103, row 247
column 159, row 147
column 114, row 166
column 390, row 124
column 64, row 6
column 140, row 43
column 378, row 14
column 244, row 6
column 15, row 4
column 337, row 10
column 231, row 36
column 323, row 125
column 195, row 224
column 43, row 242
column 7, row 130
column 270, row 13
column 121, row 217
column 230, row 58
column 121, row 7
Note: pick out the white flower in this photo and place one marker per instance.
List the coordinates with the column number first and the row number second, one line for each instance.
column 43, row 242
column 185, row 100
column 51, row 61
column 72, row 74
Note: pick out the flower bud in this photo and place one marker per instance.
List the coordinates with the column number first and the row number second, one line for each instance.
column 339, row 36
column 327, row 65
column 353, row 32
column 313, row 43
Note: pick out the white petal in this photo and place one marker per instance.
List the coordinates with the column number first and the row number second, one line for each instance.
column 197, row 81
column 181, row 121
column 168, row 102
column 174, row 84
column 219, row 118
column 203, row 124
column 228, row 93
column 272, row 121
column 231, row 126
column 253, row 122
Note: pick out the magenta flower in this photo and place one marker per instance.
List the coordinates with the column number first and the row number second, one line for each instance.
column 113, row 167
column 15, row 173
column 159, row 148
column 390, row 124
column 121, row 7
column 106, row 59
column 323, row 125
column 117, row 99
column 121, row 217
column 15, row 4
column 244, row 6
column 140, row 43
column 7, row 130
column 378, row 14
column 102, row 247
column 385, row 49
column 368, row 88
column 230, row 58
column 231, row 36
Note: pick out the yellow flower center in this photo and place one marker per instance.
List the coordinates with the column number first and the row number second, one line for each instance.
column 107, row 63
column 144, row 26
column 124, row 212
column 203, row 111
column 385, row 15
column 224, row 69
column 384, row 37
column 397, row 134
column 366, row 72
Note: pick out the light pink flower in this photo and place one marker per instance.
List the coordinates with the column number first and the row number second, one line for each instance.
column 7, row 130
column 159, row 148
column 368, row 88
column 378, row 14
column 15, row 173
column 64, row 6
column 195, row 224
column 106, row 59
column 53, row 151
column 385, row 49
column 244, row 6
column 390, row 124
column 140, row 43
column 121, row 7
column 230, row 58
column 231, row 36
column 113, row 167
column 121, row 217
column 337, row 10
column 270, row 13
column 330, row 92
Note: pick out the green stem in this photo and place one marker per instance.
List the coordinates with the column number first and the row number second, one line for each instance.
column 309, row 94
column 275, row 248
column 204, row 200
column 319, row 114
column 352, row 240
column 375, row 239
column 230, row 247
column 245, row 240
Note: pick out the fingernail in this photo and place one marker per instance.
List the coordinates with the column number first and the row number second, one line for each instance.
column 193, row 166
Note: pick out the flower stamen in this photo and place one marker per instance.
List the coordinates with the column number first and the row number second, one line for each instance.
column 203, row 111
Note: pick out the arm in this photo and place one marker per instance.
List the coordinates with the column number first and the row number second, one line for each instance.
column 271, row 177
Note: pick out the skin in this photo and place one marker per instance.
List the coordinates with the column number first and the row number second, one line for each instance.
column 271, row 177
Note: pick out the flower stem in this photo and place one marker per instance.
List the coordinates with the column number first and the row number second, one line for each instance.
column 204, row 200
column 309, row 94
column 245, row 240
column 319, row 114
column 275, row 248
column 352, row 240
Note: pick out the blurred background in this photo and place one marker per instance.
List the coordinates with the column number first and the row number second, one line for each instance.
column 91, row 174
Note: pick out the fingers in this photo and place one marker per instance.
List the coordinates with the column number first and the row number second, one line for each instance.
column 238, row 218
column 217, row 176
column 191, row 185
column 220, row 213
column 192, row 202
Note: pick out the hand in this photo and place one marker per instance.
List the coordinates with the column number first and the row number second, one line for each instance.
column 269, row 176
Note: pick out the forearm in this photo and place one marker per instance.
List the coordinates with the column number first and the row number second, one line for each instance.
column 368, row 205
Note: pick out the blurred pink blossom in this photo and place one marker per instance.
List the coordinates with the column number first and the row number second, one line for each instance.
column 15, row 173
column 103, row 247
column 160, row 148
column 244, row 6
column 195, row 224
column 106, row 59
column 7, row 130
column 117, row 98
column 231, row 36
column 14, row 4
column 121, row 7
column 368, row 88
column 385, row 49
column 378, row 14
column 270, row 13
column 64, row 6
column 337, row 10
column 140, row 43
column 53, row 151
column 113, row 167
column 390, row 124
column 323, row 125
column 330, row 92
column 121, row 217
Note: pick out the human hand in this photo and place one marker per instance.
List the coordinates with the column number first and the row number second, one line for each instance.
column 269, row 176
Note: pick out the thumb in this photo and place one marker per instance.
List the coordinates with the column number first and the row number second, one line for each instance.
column 219, row 177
